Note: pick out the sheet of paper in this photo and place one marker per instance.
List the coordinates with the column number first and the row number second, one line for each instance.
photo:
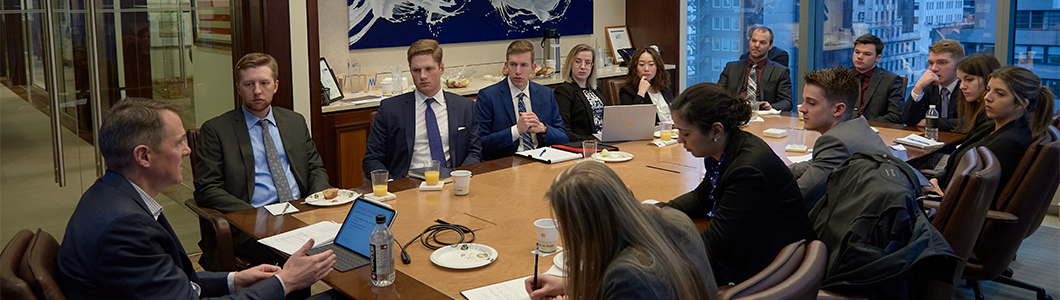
column 322, row 233
column 281, row 208
column 513, row 289
column 800, row 158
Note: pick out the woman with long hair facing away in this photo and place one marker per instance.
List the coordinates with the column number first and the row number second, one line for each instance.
column 618, row 248
column 648, row 83
column 581, row 103
column 1020, row 108
column 754, row 200
column 973, row 71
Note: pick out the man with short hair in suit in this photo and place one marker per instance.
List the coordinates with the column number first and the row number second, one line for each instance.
column 423, row 125
column 881, row 92
column 255, row 155
column 757, row 78
column 938, row 86
column 517, row 114
column 118, row 243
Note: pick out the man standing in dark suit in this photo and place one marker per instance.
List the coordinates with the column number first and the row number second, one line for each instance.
column 757, row 78
column 517, row 114
column 881, row 92
column 118, row 243
column 938, row 86
column 423, row 125
column 256, row 154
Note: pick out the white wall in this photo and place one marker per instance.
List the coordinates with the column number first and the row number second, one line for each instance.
column 214, row 85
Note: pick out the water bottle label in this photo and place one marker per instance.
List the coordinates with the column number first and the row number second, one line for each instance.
column 382, row 262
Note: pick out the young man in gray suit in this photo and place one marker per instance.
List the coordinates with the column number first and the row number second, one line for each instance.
column 757, row 78
column 423, row 125
column 881, row 95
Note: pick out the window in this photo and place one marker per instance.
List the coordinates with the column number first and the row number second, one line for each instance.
column 861, row 17
column 1037, row 25
column 861, row 2
column 717, row 23
column 736, row 45
column 716, row 45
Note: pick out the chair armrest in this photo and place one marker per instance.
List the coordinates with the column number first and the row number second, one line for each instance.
column 213, row 221
column 929, row 173
column 1000, row 216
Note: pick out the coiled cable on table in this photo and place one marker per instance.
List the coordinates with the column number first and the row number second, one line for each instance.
column 431, row 233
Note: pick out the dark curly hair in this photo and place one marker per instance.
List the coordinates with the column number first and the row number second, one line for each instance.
column 705, row 103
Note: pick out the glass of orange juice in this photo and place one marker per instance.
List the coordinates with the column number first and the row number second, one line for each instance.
column 665, row 131
column 430, row 172
column 379, row 179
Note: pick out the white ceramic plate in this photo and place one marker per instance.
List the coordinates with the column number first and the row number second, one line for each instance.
column 560, row 261
column 615, row 156
column 345, row 196
column 464, row 256
column 657, row 133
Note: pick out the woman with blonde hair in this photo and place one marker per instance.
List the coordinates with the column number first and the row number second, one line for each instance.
column 625, row 249
column 973, row 72
column 581, row 103
column 648, row 83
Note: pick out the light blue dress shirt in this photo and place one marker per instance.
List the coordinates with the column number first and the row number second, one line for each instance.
column 264, row 188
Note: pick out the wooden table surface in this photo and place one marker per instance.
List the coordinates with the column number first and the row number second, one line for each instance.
column 505, row 198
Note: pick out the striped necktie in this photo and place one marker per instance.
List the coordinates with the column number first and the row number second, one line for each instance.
column 752, row 84
column 527, row 142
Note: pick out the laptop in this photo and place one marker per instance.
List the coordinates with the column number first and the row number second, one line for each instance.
column 628, row 123
column 351, row 244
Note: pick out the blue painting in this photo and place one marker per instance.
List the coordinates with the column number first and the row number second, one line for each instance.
column 399, row 23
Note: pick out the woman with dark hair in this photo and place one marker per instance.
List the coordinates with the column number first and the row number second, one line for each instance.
column 581, row 103
column 1020, row 108
column 973, row 72
column 625, row 250
column 755, row 202
column 648, row 83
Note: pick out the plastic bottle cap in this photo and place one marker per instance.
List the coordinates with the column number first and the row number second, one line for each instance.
column 380, row 219
column 931, row 106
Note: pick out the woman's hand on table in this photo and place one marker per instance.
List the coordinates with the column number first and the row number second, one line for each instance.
column 548, row 287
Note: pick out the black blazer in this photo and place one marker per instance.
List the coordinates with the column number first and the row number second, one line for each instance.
column 915, row 111
column 224, row 174
column 576, row 110
column 760, row 209
column 1008, row 144
column 774, row 86
column 394, row 134
column 114, row 249
column 884, row 95
column 628, row 96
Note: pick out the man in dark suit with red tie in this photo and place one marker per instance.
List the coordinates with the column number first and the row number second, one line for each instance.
column 938, row 86
column 757, row 78
column 882, row 95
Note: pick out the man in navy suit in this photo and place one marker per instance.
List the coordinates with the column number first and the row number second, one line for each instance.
column 118, row 244
column 516, row 114
column 425, row 124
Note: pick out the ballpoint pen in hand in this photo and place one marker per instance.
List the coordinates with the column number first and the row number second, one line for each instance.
column 536, row 256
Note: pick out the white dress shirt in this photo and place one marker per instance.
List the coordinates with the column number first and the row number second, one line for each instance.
column 421, row 148
column 515, row 104
column 661, row 108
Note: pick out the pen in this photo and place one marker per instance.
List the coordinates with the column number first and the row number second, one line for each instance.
column 542, row 152
column 536, row 256
column 285, row 208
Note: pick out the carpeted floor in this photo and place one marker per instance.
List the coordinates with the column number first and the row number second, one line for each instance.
column 1037, row 263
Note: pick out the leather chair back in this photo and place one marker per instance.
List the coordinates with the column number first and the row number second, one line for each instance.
column 215, row 232
column 614, row 86
column 193, row 141
column 38, row 266
column 1026, row 198
column 796, row 273
column 11, row 286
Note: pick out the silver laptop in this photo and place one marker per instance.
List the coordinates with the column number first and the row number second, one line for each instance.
column 628, row 123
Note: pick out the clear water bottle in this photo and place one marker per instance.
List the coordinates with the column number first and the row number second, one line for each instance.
column 382, row 241
column 931, row 124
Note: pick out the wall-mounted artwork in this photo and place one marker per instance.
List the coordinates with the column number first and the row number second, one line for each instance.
column 399, row 23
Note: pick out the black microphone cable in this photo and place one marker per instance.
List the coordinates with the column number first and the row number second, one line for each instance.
column 431, row 233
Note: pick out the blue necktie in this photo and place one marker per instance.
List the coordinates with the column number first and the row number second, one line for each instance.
column 527, row 142
column 944, row 111
column 434, row 137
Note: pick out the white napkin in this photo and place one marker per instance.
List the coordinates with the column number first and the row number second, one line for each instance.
column 281, row 208
column 769, row 112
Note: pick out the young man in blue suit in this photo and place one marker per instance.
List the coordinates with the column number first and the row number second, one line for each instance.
column 118, row 244
column 423, row 125
column 516, row 114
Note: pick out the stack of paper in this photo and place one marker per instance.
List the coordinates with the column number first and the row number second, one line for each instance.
column 549, row 155
column 322, row 233
column 918, row 141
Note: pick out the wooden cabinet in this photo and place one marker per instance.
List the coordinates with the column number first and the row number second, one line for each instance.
column 345, row 140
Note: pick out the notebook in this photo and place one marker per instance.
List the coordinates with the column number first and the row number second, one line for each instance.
column 628, row 123
column 351, row 243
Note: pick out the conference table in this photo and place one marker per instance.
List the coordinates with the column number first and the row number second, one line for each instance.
column 506, row 196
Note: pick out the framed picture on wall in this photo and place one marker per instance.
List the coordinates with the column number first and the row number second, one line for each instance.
column 211, row 24
column 618, row 39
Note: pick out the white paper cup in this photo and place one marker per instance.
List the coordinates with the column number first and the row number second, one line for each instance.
column 461, row 181
column 547, row 235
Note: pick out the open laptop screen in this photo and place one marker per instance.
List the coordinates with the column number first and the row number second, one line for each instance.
column 359, row 224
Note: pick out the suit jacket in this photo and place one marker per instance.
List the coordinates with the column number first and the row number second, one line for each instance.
column 775, row 54
column 114, row 249
column 774, row 84
column 628, row 95
column 1008, row 144
column 884, row 97
column 496, row 116
column 915, row 110
column 224, row 174
column 760, row 209
column 576, row 111
column 831, row 149
column 394, row 134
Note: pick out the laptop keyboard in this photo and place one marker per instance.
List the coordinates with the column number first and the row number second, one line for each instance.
column 345, row 259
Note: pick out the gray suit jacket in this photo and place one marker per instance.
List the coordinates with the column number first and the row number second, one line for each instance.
column 774, row 86
column 830, row 150
column 224, row 174
column 884, row 95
